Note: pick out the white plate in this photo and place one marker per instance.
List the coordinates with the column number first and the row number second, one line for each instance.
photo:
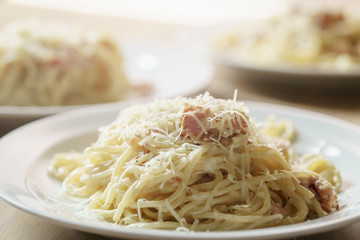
column 25, row 184
column 200, row 40
column 170, row 72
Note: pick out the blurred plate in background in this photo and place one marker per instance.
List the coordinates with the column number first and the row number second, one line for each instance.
column 200, row 41
column 169, row 73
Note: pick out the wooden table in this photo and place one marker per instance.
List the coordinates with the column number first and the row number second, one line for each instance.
column 342, row 103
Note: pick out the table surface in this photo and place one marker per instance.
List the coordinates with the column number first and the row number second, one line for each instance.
column 342, row 103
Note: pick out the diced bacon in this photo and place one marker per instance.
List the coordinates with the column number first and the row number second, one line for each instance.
column 154, row 130
column 239, row 123
column 176, row 179
column 53, row 62
column 323, row 191
column 326, row 20
column 327, row 195
column 190, row 123
column 202, row 124
column 276, row 208
column 249, row 142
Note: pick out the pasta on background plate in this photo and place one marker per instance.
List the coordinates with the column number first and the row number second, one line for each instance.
column 326, row 39
column 51, row 64
column 197, row 164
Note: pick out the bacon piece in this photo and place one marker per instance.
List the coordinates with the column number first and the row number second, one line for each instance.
column 190, row 124
column 323, row 191
column 53, row 62
column 326, row 20
column 276, row 208
column 202, row 124
column 239, row 124
column 176, row 179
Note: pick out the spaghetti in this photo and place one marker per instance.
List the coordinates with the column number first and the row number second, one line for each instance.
column 196, row 164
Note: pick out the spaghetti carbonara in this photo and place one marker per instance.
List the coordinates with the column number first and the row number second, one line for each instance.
column 327, row 40
column 197, row 164
column 48, row 63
